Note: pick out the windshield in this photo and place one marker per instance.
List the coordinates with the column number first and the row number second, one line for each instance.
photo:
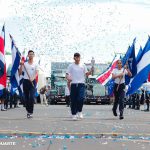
column 92, row 81
column 57, row 79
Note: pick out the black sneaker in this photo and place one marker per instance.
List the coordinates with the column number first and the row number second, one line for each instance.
column 115, row 113
column 29, row 115
column 146, row 110
column 121, row 117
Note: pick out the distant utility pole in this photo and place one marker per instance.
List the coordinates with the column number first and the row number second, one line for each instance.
column 92, row 65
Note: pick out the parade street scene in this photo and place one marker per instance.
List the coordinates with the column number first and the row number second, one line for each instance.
column 74, row 74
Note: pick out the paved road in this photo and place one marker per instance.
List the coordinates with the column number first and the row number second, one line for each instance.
column 53, row 129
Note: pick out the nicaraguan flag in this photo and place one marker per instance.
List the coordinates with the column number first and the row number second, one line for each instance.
column 15, row 79
column 128, row 53
column 143, row 69
column 138, row 57
column 131, row 62
column 147, row 46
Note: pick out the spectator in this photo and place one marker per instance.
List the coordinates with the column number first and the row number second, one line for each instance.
column 43, row 95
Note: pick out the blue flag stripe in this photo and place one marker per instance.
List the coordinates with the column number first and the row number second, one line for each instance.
column 139, row 80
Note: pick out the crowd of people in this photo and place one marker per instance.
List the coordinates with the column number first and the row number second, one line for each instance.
column 138, row 99
column 12, row 99
column 9, row 99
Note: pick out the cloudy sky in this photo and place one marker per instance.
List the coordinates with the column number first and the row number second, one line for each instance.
column 56, row 29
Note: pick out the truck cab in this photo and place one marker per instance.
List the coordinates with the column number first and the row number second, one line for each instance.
column 58, row 84
column 95, row 92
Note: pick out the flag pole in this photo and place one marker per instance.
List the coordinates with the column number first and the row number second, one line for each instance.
column 23, row 64
column 121, row 77
column 26, row 70
column 28, row 74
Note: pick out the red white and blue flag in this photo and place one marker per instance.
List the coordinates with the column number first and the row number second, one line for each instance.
column 107, row 75
column 2, row 61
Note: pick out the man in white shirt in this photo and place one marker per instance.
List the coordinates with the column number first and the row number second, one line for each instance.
column 76, row 76
column 30, row 71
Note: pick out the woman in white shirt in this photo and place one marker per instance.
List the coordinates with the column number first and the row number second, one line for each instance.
column 118, row 75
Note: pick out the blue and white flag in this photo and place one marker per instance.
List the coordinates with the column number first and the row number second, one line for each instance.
column 128, row 53
column 130, row 60
column 138, row 57
column 15, row 79
column 143, row 69
column 132, row 64
column 147, row 46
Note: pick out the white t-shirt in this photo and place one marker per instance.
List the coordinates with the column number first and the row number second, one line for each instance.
column 116, row 71
column 31, row 69
column 77, row 72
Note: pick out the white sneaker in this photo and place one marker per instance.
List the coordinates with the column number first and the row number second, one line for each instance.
column 80, row 115
column 3, row 109
column 74, row 117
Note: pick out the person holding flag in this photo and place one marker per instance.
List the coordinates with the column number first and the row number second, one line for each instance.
column 30, row 70
column 118, row 74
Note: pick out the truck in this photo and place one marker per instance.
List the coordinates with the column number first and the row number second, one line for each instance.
column 95, row 92
column 58, row 84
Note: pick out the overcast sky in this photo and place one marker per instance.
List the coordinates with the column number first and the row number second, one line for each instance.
column 56, row 29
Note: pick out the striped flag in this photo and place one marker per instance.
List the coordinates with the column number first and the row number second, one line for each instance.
column 107, row 75
column 143, row 69
column 15, row 79
column 2, row 57
column 2, row 61
column 130, row 59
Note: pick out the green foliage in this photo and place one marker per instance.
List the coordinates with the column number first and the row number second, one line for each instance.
column 8, row 53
